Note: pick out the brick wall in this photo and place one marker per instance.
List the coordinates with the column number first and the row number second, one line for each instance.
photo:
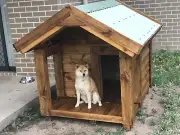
column 25, row 15
column 168, row 13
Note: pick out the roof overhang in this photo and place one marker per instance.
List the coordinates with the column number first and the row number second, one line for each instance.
column 73, row 16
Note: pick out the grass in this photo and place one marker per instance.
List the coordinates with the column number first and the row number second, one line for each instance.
column 166, row 68
column 166, row 74
column 141, row 115
column 119, row 131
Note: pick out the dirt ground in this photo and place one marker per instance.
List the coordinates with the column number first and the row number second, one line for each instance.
column 143, row 125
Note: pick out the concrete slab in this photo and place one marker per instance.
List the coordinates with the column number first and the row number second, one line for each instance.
column 14, row 98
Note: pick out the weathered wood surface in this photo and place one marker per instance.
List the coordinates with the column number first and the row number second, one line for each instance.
column 59, row 74
column 43, row 83
column 106, row 31
column 105, row 50
column 136, row 77
column 145, row 73
column 150, row 64
column 110, row 41
column 91, row 53
column 71, row 16
column 127, row 100
column 42, row 38
column 108, row 112
column 71, row 21
column 96, row 70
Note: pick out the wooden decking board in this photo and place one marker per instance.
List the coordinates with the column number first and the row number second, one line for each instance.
column 116, row 110
column 67, row 104
column 86, row 116
column 57, row 104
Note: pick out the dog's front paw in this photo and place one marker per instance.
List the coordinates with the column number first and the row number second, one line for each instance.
column 77, row 105
column 89, row 107
column 100, row 104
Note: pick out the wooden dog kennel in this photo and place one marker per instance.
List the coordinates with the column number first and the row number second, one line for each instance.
column 114, row 39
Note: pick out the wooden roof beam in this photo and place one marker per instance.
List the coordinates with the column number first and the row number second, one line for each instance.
column 104, row 38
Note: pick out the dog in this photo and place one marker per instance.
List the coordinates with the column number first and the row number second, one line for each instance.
column 85, row 86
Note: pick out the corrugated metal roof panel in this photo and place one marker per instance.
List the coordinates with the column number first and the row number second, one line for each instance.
column 122, row 19
column 96, row 6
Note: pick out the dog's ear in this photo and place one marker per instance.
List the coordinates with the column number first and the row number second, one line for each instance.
column 77, row 66
column 87, row 66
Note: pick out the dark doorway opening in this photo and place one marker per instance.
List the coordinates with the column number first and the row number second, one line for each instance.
column 111, row 78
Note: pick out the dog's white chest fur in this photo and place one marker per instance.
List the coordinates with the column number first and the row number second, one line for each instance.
column 82, row 84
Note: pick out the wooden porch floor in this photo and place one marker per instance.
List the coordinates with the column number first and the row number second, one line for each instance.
column 108, row 112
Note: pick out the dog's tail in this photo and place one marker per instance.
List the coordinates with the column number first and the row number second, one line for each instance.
column 96, row 98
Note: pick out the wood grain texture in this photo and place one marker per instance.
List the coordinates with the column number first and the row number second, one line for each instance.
column 71, row 21
column 42, row 38
column 136, row 75
column 107, row 113
column 144, row 52
column 105, row 50
column 126, row 90
column 76, row 48
column 145, row 72
column 106, row 31
column 59, row 74
column 54, row 49
column 110, row 41
column 96, row 71
column 150, row 64
column 43, row 82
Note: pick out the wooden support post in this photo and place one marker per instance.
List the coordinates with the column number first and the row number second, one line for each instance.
column 96, row 70
column 43, row 83
column 150, row 64
column 126, row 90
column 59, row 76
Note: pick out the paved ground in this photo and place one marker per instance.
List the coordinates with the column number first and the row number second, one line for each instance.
column 14, row 98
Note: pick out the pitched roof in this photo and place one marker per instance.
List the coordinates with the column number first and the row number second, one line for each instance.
column 114, row 22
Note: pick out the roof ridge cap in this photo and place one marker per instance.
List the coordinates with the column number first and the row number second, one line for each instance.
column 102, row 8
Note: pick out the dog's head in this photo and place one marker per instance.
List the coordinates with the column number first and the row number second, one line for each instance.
column 82, row 70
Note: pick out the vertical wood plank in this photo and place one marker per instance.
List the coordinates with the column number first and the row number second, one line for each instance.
column 126, row 90
column 96, row 70
column 136, row 75
column 43, row 83
column 59, row 76
column 150, row 64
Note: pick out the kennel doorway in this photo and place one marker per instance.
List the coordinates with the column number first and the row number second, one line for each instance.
column 111, row 78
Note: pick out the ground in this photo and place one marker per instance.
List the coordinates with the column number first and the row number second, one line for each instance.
column 159, row 114
column 152, row 109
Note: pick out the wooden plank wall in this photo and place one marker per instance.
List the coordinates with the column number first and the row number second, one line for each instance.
column 144, row 70
column 136, row 75
column 75, row 53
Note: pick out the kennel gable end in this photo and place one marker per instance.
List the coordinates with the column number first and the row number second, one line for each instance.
column 128, row 32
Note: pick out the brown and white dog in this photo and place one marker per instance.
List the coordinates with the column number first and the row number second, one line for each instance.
column 85, row 87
